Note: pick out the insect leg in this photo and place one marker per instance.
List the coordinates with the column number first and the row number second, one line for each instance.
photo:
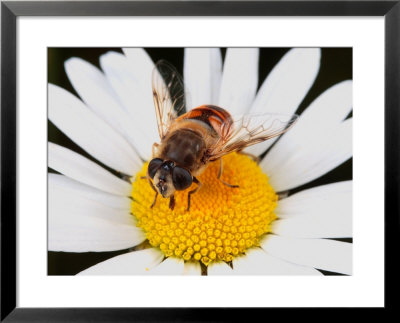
column 155, row 196
column 172, row 202
column 195, row 180
column 220, row 173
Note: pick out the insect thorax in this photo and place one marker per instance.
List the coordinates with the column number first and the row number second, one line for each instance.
column 185, row 147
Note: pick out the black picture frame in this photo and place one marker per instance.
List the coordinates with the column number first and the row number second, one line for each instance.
column 10, row 11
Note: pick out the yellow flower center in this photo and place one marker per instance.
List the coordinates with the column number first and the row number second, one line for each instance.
column 222, row 222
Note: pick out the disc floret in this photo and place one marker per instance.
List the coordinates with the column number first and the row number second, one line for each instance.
column 222, row 223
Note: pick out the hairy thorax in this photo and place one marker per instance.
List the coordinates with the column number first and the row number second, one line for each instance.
column 184, row 147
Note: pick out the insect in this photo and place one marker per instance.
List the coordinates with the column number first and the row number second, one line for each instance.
column 190, row 141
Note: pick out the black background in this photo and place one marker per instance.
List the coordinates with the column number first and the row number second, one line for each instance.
column 336, row 66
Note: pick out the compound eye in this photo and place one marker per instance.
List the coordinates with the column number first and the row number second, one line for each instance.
column 153, row 166
column 181, row 178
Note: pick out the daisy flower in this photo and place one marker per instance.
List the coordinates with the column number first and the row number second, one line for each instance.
column 266, row 226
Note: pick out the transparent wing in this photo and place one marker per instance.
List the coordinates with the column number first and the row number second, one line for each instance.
column 168, row 95
column 249, row 130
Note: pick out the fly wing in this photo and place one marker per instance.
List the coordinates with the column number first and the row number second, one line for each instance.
column 249, row 130
column 168, row 95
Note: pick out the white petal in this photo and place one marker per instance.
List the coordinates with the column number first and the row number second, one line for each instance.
column 322, row 254
column 65, row 201
column 202, row 75
column 90, row 132
column 219, row 268
column 320, row 212
column 66, row 183
column 192, row 269
column 85, row 171
column 257, row 262
column 296, row 161
column 141, row 63
column 330, row 108
column 94, row 89
column 239, row 79
column 130, row 77
column 286, row 86
column 170, row 266
column 323, row 115
column 308, row 201
column 288, row 82
column 115, row 201
column 132, row 263
column 309, row 226
column 78, row 224
column 320, row 127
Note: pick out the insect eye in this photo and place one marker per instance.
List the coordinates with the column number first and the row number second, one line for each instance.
column 153, row 166
column 181, row 178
